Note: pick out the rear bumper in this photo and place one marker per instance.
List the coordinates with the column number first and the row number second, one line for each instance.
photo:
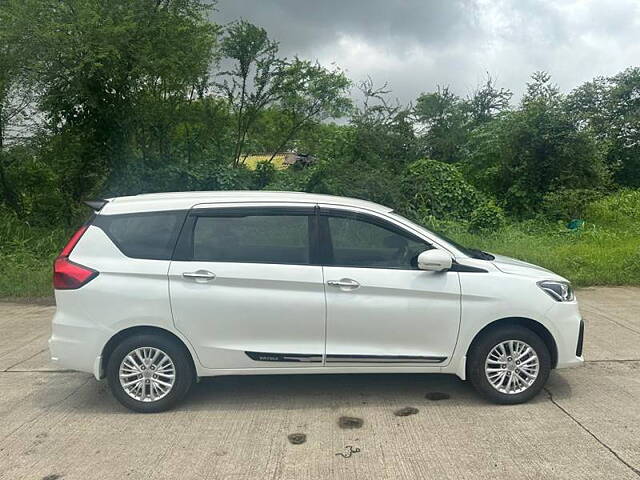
column 74, row 345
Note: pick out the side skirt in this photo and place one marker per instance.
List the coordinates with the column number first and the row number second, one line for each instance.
column 284, row 357
column 382, row 359
column 335, row 358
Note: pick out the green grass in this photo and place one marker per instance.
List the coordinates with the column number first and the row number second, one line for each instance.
column 26, row 256
column 592, row 256
column 605, row 252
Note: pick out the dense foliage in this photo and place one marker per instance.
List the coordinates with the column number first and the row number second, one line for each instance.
column 131, row 96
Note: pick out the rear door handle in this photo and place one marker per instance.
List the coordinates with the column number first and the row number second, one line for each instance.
column 200, row 275
column 343, row 283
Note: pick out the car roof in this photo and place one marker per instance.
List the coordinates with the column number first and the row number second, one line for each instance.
column 151, row 202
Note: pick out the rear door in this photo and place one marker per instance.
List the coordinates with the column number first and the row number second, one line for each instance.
column 246, row 288
column 382, row 310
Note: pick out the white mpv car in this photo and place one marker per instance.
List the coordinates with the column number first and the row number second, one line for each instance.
column 158, row 290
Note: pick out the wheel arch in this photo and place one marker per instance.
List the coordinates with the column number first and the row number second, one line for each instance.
column 113, row 342
column 533, row 325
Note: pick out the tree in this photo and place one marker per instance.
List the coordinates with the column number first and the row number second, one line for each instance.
column 384, row 133
column 365, row 158
column 310, row 94
column 487, row 102
column 17, row 97
column 99, row 66
column 446, row 120
column 260, row 87
column 254, row 80
column 535, row 149
column 610, row 109
column 443, row 118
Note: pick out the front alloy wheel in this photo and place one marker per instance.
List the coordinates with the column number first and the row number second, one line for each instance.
column 512, row 367
column 508, row 364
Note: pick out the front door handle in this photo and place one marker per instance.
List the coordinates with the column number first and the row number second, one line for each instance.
column 343, row 283
column 200, row 275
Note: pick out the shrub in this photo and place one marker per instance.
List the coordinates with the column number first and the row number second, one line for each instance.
column 439, row 189
column 488, row 217
column 568, row 203
column 621, row 209
column 264, row 174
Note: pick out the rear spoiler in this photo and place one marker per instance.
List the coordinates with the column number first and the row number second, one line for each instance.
column 97, row 204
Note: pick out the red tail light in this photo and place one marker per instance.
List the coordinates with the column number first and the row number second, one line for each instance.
column 68, row 275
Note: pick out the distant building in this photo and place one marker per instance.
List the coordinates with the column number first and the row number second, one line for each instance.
column 280, row 160
column 251, row 161
column 299, row 159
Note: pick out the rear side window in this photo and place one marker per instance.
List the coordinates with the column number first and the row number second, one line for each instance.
column 251, row 238
column 149, row 236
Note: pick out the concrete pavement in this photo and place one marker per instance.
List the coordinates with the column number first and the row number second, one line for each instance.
column 586, row 424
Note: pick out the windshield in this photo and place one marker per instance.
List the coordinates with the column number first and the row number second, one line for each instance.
column 469, row 252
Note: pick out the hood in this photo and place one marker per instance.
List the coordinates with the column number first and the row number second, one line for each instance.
column 518, row 267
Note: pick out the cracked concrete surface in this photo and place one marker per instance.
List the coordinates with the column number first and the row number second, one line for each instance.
column 65, row 425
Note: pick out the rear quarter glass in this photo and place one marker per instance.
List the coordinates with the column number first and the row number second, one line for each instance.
column 150, row 236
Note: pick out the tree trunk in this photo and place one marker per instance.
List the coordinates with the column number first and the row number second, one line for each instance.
column 287, row 137
column 9, row 195
column 240, row 134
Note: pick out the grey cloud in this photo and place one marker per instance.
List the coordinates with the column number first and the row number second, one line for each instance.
column 302, row 25
column 417, row 44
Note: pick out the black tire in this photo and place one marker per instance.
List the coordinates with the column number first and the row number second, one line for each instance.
column 483, row 346
column 184, row 374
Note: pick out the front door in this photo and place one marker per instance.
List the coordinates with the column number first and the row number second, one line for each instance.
column 382, row 310
column 245, row 290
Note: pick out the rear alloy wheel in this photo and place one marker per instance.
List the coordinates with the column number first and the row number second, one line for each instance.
column 149, row 373
column 509, row 365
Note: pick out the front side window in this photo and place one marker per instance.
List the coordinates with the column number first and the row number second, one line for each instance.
column 360, row 242
column 252, row 239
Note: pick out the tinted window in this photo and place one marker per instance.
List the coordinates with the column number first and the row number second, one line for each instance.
column 252, row 239
column 143, row 235
column 360, row 243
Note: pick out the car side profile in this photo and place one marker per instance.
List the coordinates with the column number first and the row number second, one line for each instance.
column 158, row 290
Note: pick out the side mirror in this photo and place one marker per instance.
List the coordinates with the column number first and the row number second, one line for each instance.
column 434, row 260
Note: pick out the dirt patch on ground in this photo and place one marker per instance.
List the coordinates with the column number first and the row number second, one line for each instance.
column 350, row 422
column 406, row 411
column 435, row 396
column 297, row 438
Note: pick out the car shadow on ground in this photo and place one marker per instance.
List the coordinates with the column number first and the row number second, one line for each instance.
column 325, row 391
column 338, row 391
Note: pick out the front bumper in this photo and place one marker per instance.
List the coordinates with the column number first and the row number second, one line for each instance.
column 567, row 326
column 578, row 359
column 580, row 339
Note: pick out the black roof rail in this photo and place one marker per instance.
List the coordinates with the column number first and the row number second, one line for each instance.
column 97, row 204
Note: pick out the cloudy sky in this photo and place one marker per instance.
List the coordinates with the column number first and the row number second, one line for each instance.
column 415, row 45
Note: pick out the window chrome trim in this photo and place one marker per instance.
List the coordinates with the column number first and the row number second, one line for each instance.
column 421, row 233
column 436, row 242
column 183, row 251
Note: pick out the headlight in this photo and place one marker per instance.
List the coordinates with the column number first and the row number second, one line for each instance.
column 559, row 291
